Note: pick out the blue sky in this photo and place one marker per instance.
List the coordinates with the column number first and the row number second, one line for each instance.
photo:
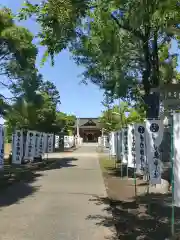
column 81, row 100
column 78, row 99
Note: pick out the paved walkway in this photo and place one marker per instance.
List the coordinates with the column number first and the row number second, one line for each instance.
column 59, row 203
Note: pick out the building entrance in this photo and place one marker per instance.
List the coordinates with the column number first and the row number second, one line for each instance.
column 89, row 129
column 90, row 137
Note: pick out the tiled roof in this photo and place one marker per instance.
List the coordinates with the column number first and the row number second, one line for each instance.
column 83, row 121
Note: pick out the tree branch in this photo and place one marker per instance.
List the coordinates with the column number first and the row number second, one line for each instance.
column 166, row 39
column 7, row 98
column 3, row 56
column 126, row 27
column 4, row 85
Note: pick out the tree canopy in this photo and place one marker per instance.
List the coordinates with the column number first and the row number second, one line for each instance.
column 116, row 117
column 35, row 107
column 35, row 102
column 17, row 54
column 121, row 44
column 16, row 48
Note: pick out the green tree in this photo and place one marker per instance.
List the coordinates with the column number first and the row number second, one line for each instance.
column 46, row 115
column 135, row 116
column 114, row 117
column 16, row 47
column 58, row 21
column 29, row 116
column 117, row 55
column 49, row 88
column 33, row 107
column 65, row 122
column 17, row 54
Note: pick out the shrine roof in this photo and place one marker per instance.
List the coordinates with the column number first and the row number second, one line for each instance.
column 88, row 123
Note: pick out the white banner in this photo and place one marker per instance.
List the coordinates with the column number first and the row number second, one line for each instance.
column 140, row 144
column 50, row 143
column 119, row 145
column 106, row 141
column 37, row 143
column 12, row 140
column 125, row 145
column 176, row 143
column 66, row 142
column 112, row 144
column 71, row 141
column 17, row 147
column 154, row 136
column 99, row 141
column 41, row 144
column 56, row 141
column 131, row 147
column 116, row 143
column 1, row 147
column 30, row 145
column 45, row 142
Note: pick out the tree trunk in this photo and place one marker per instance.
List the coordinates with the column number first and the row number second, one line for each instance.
column 147, row 70
column 155, row 62
column 150, row 78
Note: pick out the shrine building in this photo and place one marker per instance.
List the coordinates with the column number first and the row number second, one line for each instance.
column 89, row 129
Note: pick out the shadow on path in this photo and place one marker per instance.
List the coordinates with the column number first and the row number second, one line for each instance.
column 19, row 186
column 148, row 217
column 106, row 220
column 57, row 163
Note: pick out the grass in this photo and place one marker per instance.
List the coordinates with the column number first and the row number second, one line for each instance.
column 106, row 164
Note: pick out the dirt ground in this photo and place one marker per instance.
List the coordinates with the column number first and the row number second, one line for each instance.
column 147, row 216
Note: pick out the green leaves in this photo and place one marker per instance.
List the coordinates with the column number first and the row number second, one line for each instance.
column 119, row 43
column 17, row 52
column 35, row 105
column 49, row 88
column 58, row 20
column 118, row 116
column 103, row 50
